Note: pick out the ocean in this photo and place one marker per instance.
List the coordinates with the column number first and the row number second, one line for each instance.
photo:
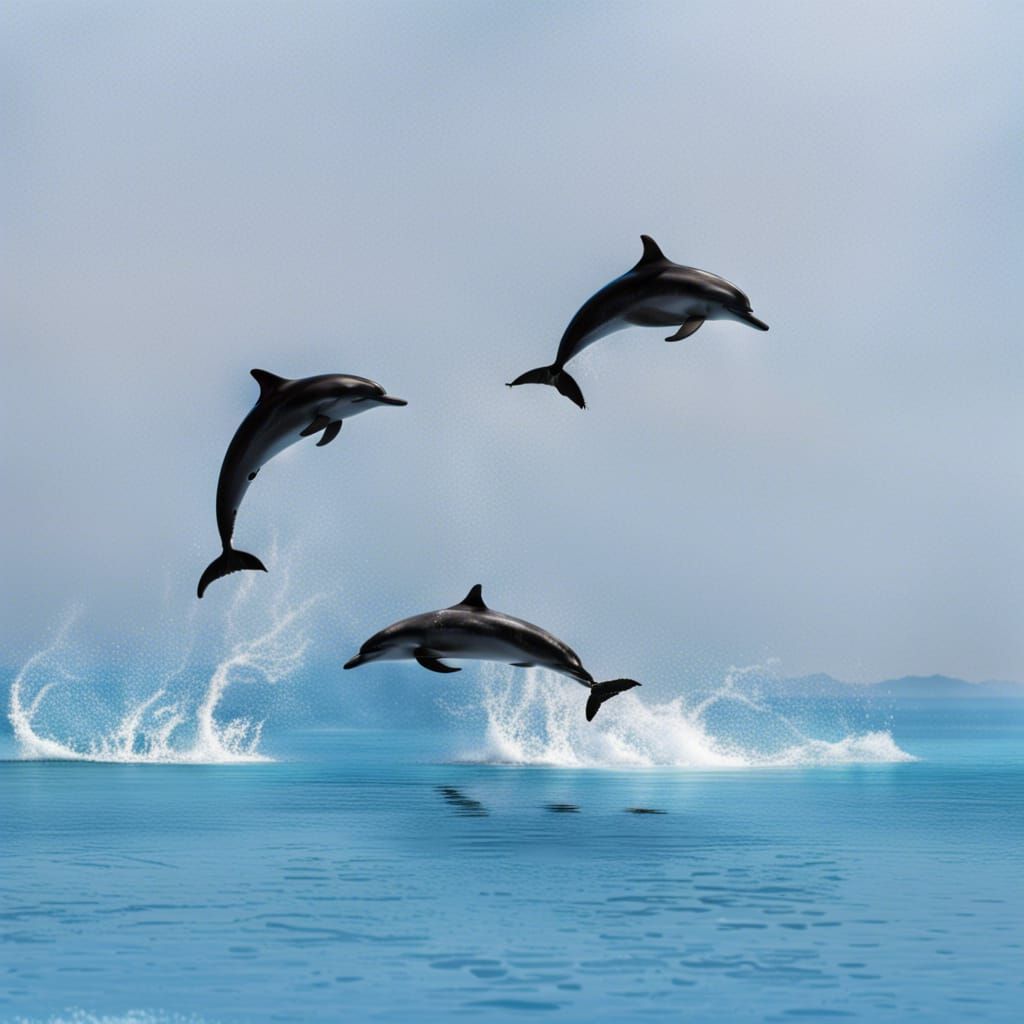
column 516, row 864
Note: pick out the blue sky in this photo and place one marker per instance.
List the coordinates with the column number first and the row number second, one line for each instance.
column 424, row 194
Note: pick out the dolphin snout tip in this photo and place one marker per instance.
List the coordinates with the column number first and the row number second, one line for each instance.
column 391, row 400
column 354, row 662
column 748, row 318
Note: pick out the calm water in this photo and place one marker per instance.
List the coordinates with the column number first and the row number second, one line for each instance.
column 364, row 875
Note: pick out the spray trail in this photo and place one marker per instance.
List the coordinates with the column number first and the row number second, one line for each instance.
column 539, row 720
column 158, row 728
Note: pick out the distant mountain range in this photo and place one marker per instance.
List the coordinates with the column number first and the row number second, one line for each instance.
column 923, row 687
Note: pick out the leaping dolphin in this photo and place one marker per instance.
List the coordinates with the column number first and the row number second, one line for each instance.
column 655, row 293
column 471, row 630
column 286, row 412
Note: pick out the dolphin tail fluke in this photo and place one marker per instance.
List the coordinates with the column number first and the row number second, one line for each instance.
column 557, row 378
column 228, row 562
column 600, row 692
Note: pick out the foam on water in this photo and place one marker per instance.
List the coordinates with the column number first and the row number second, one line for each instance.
column 536, row 718
column 131, row 1017
column 157, row 727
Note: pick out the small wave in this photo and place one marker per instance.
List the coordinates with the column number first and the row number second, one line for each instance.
column 538, row 720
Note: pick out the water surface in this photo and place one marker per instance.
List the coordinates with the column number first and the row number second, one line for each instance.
column 373, row 875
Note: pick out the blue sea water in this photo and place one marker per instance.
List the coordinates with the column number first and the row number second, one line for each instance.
column 418, row 874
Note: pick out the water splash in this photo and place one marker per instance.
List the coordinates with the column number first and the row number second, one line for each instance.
column 158, row 727
column 539, row 720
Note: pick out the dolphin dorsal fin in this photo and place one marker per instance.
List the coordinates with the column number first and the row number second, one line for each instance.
column 474, row 599
column 652, row 252
column 267, row 381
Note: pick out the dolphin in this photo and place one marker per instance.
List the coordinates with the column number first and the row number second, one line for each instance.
column 286, row 412
column 471, row 630
column 655, row 293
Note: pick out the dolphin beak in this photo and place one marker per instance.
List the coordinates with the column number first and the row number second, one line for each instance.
column 391, row 400
column 747, row 317
column 354, row 662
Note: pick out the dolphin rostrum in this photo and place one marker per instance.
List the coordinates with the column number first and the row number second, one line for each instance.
column 471, row 630
column 655, row 293
column 286, row 412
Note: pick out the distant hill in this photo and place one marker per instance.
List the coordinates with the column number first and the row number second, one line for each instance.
column 921, row 687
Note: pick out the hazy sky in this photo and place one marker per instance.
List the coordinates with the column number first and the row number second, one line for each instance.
column 424, row 194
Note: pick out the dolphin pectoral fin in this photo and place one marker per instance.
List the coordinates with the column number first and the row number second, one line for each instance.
column 690, row 327
column 332, row 431
column 429, row 661
column 319, row 422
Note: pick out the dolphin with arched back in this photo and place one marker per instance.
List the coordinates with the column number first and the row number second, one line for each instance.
column 473, row 631
column 654, row 293
column 286, row 412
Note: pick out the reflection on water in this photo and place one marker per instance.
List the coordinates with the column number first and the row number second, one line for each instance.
column 461, row 803
column 371, row 879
